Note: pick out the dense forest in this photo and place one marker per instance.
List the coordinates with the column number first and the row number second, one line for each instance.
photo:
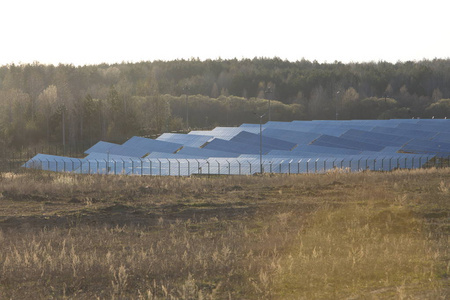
column 46, row 104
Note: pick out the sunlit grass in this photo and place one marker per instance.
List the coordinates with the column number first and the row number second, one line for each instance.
column 361, row 250
column 331, row 236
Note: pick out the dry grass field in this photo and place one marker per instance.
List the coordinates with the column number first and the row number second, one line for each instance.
column 339, row 235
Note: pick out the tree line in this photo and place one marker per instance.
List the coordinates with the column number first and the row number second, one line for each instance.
column 42, row 104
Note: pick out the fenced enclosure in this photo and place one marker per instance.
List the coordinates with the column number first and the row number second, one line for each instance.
column 275, row 147
column 188, row 167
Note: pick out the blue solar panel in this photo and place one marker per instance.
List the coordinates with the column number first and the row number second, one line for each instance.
column 108, row 156
column 202, row 152
column 405, row 132
column 127, row 151
column 100, row 147
column 268, row 143
column 287, row 147
column 297, row 137
column 420, row 146
column 227, row 133
column 246, row 125
column 390, row 150
column 313, row 149
column 375, row 137
column 190, row 140
column 442, row 137
column 228, row 146
column 164, row 155
column 152, row 145
column 331, row 141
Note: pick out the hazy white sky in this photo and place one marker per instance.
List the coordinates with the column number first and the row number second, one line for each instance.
column 95, row 31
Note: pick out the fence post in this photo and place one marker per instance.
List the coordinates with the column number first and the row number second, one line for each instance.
column 239, row 163
column 56, row 165
column 325, row 165
column 315, row 165
column 199, row 170
column 298, row 166
column 229, row 167
column 307, row 166
column 209, row 169
column 350, row 165
column 159, row 166
column 189, row 167
column 289, row 167
column 150, row 165
column 218, row 167
column 170, row 165
column 250, row 166
column 179, row 167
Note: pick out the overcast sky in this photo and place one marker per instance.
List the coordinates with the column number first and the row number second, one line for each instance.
column 96, row 31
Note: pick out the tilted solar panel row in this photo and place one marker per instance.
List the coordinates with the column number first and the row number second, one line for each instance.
column 202, row 152
column 408, row 141
column 375, row 137
column 190, row 140
column 412, row 133
column 152, row 145
column 229, row 146
column 331, row 141
column 267, row 143
column 296, row 137
column 427, row 147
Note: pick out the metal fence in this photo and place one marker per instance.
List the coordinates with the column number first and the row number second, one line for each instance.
column 188, row 167
column 12, row 160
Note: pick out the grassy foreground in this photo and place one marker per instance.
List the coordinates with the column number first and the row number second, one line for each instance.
column 338, row 235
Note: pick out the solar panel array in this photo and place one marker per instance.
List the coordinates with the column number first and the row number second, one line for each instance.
column 278, row 147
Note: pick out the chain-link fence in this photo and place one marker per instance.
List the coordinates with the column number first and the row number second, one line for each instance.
column 220, row 166
column 11, row 160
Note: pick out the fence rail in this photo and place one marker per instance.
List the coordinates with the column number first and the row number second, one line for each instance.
column 188, row 167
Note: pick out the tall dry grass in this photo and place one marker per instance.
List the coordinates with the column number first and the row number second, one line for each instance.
column 329, row 236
